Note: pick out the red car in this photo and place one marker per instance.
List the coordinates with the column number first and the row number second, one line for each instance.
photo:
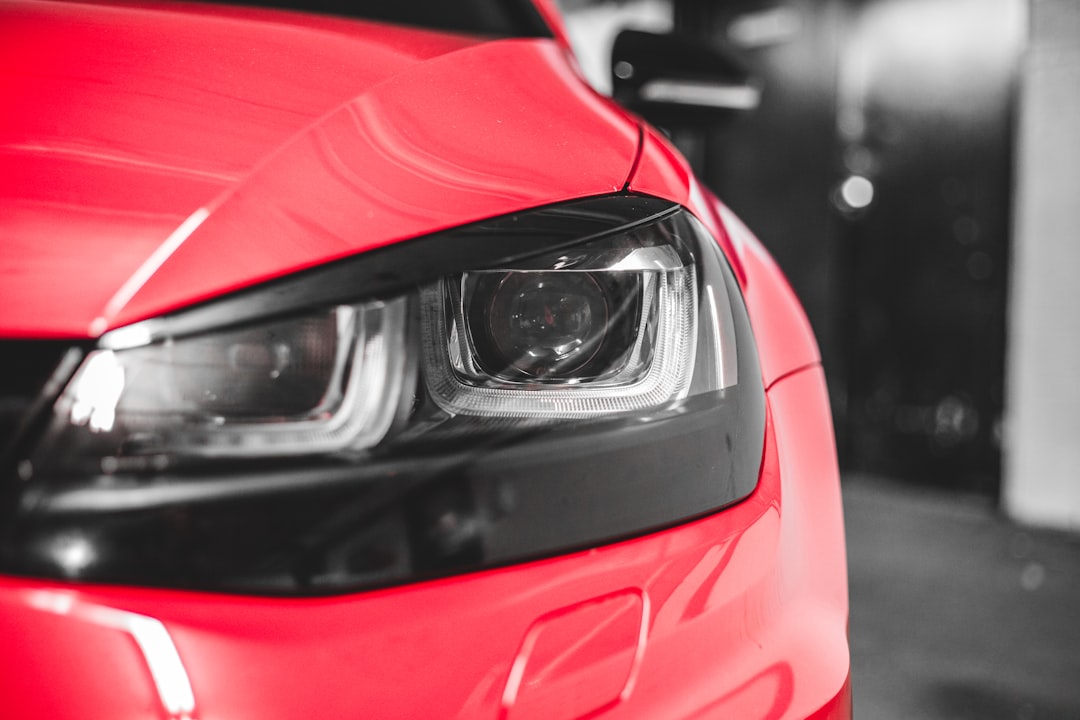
column 354, row 369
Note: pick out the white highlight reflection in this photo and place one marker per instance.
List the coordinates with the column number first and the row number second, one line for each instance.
column 166, row 667
column 124, row 338
column 74, row 553
column 768, row 27
column 153, row 263
column 857, row 192
column 152, row 638
column 701, row 94
column 97, row 391
column 714, row 329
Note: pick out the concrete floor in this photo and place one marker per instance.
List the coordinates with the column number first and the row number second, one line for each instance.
column 957, row 613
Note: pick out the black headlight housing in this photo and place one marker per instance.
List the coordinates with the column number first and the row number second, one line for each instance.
column 530, row 385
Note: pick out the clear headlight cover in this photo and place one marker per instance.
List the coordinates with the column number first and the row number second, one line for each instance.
column 630, row 320
column 316, row 383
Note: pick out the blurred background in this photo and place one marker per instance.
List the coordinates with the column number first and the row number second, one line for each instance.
column 914, row 167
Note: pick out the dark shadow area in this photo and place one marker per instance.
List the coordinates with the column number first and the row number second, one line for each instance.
column 877, row 171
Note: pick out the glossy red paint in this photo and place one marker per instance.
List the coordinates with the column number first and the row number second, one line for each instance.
column 119, row 123
column 745, row 615
column 130, row 120
column 741, row 614
column 785, row 341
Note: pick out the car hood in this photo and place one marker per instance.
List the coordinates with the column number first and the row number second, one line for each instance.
column 152, row 157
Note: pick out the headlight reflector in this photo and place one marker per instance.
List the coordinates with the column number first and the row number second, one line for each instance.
column 542, row 326
column 608, row 327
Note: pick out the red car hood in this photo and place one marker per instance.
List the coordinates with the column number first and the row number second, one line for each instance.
column 156, row 156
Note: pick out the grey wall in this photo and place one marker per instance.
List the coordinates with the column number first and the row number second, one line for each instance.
column 1042, row 432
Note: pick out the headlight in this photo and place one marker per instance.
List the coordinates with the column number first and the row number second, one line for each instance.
column 535, row 383
column 305, row 385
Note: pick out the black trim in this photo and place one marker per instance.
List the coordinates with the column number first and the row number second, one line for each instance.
column 495, row 18
column 33, row 376
column 341, row 529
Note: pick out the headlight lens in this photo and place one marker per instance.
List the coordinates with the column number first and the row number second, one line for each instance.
column 608, row 327
column 545, row 326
